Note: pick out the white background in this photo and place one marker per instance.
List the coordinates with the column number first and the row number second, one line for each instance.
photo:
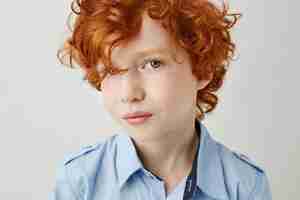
column 47, row 111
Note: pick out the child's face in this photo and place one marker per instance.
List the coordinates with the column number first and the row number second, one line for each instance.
column 168, row 89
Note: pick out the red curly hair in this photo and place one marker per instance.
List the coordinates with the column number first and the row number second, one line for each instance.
column 198, row 26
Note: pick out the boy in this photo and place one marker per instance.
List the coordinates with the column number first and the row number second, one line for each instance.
column 157, row 64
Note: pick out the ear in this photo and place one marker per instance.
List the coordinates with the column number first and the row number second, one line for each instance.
column 203, row 83
column 75, row 55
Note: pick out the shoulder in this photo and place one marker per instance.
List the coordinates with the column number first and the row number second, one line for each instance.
column 77, row 172
column 90, row 160
column 244, row 175
column 91, row 153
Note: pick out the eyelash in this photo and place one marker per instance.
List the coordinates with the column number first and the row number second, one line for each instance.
column 146, row 61
column 149, row 60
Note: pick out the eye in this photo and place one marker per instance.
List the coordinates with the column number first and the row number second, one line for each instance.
column 154, row 63
column 115, row 71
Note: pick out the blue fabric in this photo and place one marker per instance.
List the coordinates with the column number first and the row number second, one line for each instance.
column 112, row 170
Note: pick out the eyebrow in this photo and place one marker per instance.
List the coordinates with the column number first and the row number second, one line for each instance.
column 149, row 51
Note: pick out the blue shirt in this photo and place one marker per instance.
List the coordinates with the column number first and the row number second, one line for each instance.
column 112, row 170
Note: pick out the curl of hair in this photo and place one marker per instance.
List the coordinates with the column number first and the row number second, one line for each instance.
column 198, row 26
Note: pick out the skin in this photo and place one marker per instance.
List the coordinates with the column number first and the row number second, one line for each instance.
column 166, row 142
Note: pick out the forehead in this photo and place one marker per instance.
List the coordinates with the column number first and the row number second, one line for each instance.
column 152, row 38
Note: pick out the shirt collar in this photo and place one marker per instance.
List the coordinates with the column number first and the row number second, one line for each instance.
column 210, row 178
column 127, row 159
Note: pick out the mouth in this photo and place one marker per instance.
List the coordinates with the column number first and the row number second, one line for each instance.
column 137, row 120
column 137, row 114
column 137, row 117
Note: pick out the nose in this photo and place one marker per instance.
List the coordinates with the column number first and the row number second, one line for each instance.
column 131, row 87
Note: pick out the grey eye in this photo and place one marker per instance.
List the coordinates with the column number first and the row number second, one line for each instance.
column 154, row 63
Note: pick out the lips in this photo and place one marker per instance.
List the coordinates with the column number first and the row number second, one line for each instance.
column 137, row 114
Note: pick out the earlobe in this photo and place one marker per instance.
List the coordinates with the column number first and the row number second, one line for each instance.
column 203, row 83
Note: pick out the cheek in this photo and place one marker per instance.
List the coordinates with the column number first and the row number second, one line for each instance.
column 108, row 88
column 107, row 95
column 173, row 91
column 165, row 91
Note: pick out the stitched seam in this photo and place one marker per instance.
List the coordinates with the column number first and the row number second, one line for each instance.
column 257, row 182
column 76, row 195
column 223, row 169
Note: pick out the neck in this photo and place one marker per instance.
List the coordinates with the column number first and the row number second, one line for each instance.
column 170, row 157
